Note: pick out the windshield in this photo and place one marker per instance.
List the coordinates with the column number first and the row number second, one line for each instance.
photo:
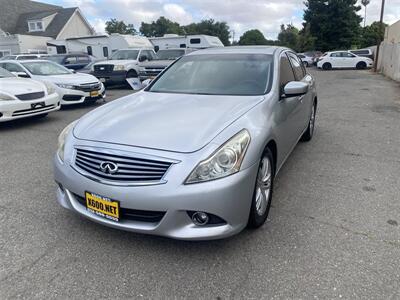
column 45, row 68
column 8, row 57
column 217, row 74
column 56, row 58
column 125, row 54
column 169, row 54
column 4, row 73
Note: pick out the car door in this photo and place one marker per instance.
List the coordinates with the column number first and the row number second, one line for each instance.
column 349, row 60
column 336, row 60
column 288, row 116
column 305, row 101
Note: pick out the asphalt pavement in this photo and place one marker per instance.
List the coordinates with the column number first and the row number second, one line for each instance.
column 333, row 229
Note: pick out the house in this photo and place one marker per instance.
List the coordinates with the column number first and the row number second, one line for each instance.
column 27, row 26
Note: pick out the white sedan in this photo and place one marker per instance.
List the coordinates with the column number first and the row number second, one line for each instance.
column 342, row 60
column 21, row 98
column 72, row 87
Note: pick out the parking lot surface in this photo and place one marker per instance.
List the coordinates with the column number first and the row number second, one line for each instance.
column 333, row 230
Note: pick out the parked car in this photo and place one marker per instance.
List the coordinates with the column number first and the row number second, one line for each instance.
column 72, row 87
column 21, row 97
column 23, row 56
column 343, row 59
column 194, row 154
column 306, row 60
column 122, row 64
column 150, row 69
column 363, row 52
column 72, row 61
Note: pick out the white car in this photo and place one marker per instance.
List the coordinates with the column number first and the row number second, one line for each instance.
column 72, row 87
column 305, row 59
column 21, row 97
column 343, row 59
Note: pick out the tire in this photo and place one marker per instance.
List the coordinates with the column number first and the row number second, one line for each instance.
column 308, row 134
column 261, row 201
column 305, row 64
column 361, row 65
column 327, row 66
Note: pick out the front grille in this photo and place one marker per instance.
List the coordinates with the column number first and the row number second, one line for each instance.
column 103, row 69
column 30, row 96
column 130, row 169
column 72, row 97
column 23, row 112
column 148, row 216
column 153, row 71
column 88, row 87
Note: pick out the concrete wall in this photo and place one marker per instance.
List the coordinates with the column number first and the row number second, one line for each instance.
column 75, row 27
column 392, row 33
column 389, row 60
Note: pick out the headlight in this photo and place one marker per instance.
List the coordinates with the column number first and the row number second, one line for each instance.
column 61, row 140
column 223, row 162
column 119, row 67
column 5, row 97
column 50, row 88
column 65, row 86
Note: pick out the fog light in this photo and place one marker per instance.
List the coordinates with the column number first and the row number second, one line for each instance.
column 200, row 218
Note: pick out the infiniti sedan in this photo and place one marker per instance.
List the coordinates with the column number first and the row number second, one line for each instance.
column 194, row 155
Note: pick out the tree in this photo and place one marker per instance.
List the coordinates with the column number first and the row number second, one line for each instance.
column 372, row 34
column 289, row 36
column 160, row 27
column 254, row 37
column 115, row 26
column 334, row 23
column 306, row 41
column 210, row 27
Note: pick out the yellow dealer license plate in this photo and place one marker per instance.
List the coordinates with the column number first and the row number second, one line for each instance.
column 94, row 93
column 102, row 206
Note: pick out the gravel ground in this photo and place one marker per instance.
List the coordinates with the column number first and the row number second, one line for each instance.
column 333, row 230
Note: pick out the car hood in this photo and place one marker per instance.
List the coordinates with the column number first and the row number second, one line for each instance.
column 116, row 62
column 17, row 86
column 157, row 63
column 74, row 78
column 172, row 122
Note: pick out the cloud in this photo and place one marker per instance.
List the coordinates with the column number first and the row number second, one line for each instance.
column 241, row 15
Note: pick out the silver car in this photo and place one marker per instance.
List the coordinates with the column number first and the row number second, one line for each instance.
column 192, row 156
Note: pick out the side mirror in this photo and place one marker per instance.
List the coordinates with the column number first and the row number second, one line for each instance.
column 146, row 82
column 294, row 89
column 142, row 58
column 21, row 74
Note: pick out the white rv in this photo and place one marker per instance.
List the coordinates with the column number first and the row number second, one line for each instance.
column 100, row 46
column 173, row 41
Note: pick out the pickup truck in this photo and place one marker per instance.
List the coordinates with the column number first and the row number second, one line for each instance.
column 123, row 64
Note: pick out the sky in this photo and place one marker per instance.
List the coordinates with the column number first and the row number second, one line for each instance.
column 241, row 15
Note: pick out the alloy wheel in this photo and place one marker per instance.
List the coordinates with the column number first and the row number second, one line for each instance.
column 263, row 187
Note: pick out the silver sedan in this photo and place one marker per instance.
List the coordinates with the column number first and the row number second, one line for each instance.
column 194, row 155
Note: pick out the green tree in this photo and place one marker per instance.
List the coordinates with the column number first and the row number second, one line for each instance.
column 372, row 34
column 160, row 27
column 210, row 27
column 115, row 26
column 334, row 23
column 252, row 37
column 306, row 41
column 289, row 36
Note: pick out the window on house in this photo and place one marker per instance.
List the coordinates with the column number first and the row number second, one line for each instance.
column 89, row 50
column 35, row 26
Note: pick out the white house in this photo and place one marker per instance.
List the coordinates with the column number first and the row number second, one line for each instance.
column 26, row 26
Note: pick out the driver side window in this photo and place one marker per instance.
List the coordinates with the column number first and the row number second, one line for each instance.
column 285, row 72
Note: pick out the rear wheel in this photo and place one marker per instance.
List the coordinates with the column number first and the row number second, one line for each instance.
column 361, row 65
column 327, row 66
column 262, row 196
column 305, row 64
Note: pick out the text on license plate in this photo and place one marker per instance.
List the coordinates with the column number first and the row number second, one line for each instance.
column 94, row 93
column 102, row 206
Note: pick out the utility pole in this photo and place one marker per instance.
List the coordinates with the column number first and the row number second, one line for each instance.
column 379, row 40
column 365, row 3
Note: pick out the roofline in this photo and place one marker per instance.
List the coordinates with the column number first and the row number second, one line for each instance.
column 87, row 37
column 77, row 10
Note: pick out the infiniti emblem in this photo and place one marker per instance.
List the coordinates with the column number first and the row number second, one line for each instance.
column 108, row 167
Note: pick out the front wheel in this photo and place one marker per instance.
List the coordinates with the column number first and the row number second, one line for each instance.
column 308, row 134
column 262, row 195
column 327, row 66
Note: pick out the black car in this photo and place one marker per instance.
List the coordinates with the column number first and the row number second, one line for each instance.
column 72, row 61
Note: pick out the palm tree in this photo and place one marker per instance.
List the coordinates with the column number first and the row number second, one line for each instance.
column 365, row 3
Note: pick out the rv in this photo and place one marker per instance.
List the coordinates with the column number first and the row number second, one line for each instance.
column 100, row 46
column 173, row 41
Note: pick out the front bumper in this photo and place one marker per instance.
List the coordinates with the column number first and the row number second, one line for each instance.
column 73, row 96
column 114, row 77
column 228, row 198
column 17, row 109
